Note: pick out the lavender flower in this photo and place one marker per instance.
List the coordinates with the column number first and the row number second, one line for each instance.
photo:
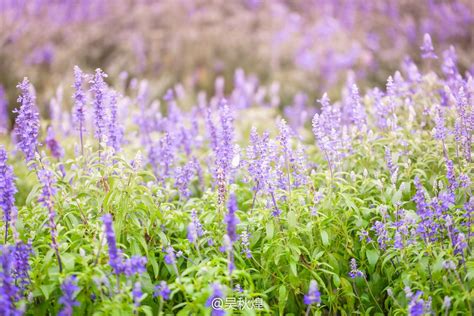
column 170, row 257
column 446, row 304
column 48, row 180
column 7, row 191
column 137, row 294
column 226, row 146
column 161, row 156
column 422, row 207
column 192, row 233
column 4, row 119
column 69, row 289
column 330, row 133
column 162, row 290
column 134, row 265
column 217, row 294
column 56, row 150
column 427, row 50
column 99, row 89
column 231, row 219
column 358, row 115
column 79, row 111
column 227, row 246
column 449, row 65
column 440, row 130
column 244, row 239
column 221, row 186
column 27, row 122
column 115, row 258
column 197, row 223
column 21, row 266
column 382, row 234
column 115, row 131
column 452, row 182
column 313, row 296
column 460, row 244
column 391, row 167
column 284, row 137
column 398, row 241
column 8, row 290
column 212, row 132
column 184, row 175
column 417, row 306
column 355, row 272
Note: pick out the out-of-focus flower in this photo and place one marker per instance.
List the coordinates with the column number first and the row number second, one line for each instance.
column 137, row 294
column 69, row 289
column 427, row 50
column 313, row 296
column 7, row 191
column 114, row 139
column 217, row 294
column 134, row 265
column 8, row 289
column 56, row 150
column 4, row 119
column 170, row 257
column 162, row 290
column 417, row 306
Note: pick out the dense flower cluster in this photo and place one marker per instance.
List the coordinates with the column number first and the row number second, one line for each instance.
column 235, row 200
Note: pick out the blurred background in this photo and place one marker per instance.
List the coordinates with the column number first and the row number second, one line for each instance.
column 308, row 46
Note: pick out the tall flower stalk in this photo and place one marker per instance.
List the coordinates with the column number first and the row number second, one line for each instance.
column 99, row 90
column 79, row 112
column 48, row 191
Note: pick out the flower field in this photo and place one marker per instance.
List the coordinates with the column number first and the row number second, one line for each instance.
column 127, row 190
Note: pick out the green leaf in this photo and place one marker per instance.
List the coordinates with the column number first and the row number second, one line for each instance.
column 292, row 221
column 47, row 290
column 270, row 230
column 372, row 257
column 282, row 298
column 324, row 237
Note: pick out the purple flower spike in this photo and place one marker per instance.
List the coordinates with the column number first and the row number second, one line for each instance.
column 27, row 122
column 56, row 150
column 427, row 50
column 216, row 296
column 313, row 296
column 7, row 191
column 231, row 219
column 162, row 290
column 99, row 89
column 79, row 111
column 134, row 265
column 4, row 119
column 355, row 272
column 137, row 294
column 69, row 289
column 8, row 290
column 115, row 258
column 115, row 130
